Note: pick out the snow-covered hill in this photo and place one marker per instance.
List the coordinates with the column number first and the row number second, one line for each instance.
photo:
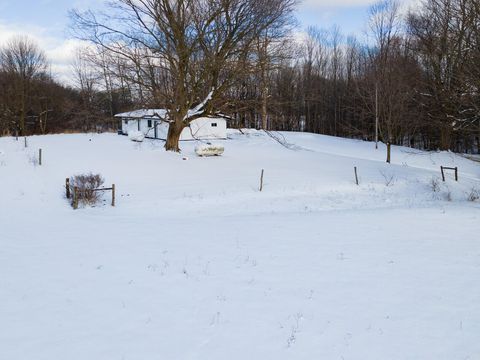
column 195, row 263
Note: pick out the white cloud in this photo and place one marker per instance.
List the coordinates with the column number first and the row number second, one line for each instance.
column 61, row 58
column 88, row 4
column 319, row 4
column 60, row 52
column 7, row 31
column 312, row 4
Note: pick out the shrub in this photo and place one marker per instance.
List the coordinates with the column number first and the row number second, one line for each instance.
column 434, row 185
column 86, row 185
column 448, row 195
column 33, row 159
column 474, row 195
column 390, row 178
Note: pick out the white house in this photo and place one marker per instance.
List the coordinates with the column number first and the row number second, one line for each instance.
column 152, row 123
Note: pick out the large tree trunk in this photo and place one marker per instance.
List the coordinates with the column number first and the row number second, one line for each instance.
column 445, row 137
column 21, row 124
column 389, row 152
column 174, row 131
column 264, row 108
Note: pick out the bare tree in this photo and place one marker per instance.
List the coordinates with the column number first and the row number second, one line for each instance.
column 187, row 53
column 445, row 37
column 22, row 61
column 84, row 75
column 273, row 48
column 87, row 80
column 385, row 24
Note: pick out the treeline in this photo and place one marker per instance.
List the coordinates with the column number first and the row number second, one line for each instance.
column 33, row 102
column 416, row 75
column 419, row 72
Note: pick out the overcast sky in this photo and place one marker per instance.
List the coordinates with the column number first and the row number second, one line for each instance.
column 46, row 21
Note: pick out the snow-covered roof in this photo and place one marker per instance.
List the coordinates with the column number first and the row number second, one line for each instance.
column 144, row 113
column 157, row 114
column 161, row 113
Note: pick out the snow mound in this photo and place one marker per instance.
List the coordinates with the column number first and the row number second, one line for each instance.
column 209, row 149
column 136, row 136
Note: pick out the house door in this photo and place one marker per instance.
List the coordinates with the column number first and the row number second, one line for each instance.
column 155, row 130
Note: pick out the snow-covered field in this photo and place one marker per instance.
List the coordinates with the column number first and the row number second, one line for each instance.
column 195, row 263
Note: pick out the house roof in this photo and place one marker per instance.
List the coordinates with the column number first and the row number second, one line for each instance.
column 156, row 114
column 144, row 113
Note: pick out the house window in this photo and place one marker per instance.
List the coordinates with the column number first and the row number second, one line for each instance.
column 125, row 122
column 214, row 124
column 149, row 123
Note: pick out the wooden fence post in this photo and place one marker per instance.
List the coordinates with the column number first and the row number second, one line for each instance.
column 389, row 150
column 456, row 173
column 75, row 197
column 356, row 175
column 443, row 174
column 67, row 188
column 261, row 180
column 40, row 157
column 113, row 194
column 25, row 138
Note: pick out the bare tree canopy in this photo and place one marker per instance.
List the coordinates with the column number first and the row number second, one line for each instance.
column 23, row 57
column 446, row 40
column 22, row 62
column 186, row 53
